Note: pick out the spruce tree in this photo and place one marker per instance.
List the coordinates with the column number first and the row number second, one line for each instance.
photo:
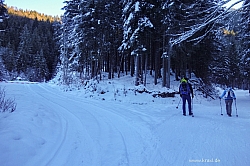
column 136, row 26
column 24, row 59
column 245, row 38
column 3, row 16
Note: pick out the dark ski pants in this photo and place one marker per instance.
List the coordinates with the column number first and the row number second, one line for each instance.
column 229, row 106
column 188, row 99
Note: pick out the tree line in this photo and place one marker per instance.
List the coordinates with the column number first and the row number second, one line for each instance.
column 28, row 45
column 32, row 14
column 158, row 38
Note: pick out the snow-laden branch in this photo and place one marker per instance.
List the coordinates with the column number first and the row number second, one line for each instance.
column 210, row 19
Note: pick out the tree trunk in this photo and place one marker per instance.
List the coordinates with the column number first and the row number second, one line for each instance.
column 169, row 66
column 132, row 66
column 157, row 66
column 145, row 69
column 164, row 72
column 136, row 70
column 93, row 68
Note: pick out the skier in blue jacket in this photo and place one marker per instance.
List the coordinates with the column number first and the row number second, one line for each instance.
column 229, row 96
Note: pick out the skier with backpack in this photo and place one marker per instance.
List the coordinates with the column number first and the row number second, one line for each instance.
column 185, row 90
column 229, row 97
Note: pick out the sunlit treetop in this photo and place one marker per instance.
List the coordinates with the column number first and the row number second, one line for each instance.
column 228, row 32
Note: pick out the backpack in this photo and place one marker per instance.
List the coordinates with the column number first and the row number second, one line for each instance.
column 184, row 89
column 230, row 94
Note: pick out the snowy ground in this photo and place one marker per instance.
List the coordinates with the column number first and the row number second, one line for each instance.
column 52, row 127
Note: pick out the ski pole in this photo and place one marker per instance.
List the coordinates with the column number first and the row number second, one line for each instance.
column 192, row 107
column 236, row 109
column 220, row 108
column 178, row 104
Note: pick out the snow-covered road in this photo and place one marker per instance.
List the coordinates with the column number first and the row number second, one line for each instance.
column 52, row 128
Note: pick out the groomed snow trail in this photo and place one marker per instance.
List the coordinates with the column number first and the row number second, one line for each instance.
column 83, row 131
column 58, row 128
column 207, row 138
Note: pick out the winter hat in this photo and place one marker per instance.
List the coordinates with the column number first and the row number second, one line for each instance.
column 183, row 80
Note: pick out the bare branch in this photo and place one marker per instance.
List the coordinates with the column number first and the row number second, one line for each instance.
column 6, row 105
column 212, row 18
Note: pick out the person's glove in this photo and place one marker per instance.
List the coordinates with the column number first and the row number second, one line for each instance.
column 219, row 97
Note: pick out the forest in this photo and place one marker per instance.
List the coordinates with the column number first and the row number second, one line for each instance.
column 28, row 46
column 140, row 38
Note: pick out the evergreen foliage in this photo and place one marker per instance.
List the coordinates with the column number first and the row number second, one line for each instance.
column 188, row 31
column 136, row 37
column 31, row 14
column 245, row 45
column 3, row 16
column 30, row 47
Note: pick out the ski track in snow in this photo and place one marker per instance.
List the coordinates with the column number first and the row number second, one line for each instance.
column 67, row 121
column 113, row 131
column 99, row 133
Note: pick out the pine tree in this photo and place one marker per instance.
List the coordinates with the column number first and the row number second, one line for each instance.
column 40, row 67
column 136, row 25
column 245, row 38
column 68, row 37
column 9, row 59
column 3, row 16
column 111, row 29
column 95, row 36
column 24, row 51
column 80, row 42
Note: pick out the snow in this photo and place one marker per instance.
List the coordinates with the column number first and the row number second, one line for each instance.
column 137, row 6
column 234, row 3
column 53, row 127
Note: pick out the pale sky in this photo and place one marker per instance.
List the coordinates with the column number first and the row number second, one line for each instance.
column 236, row 6
column 48, row 7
